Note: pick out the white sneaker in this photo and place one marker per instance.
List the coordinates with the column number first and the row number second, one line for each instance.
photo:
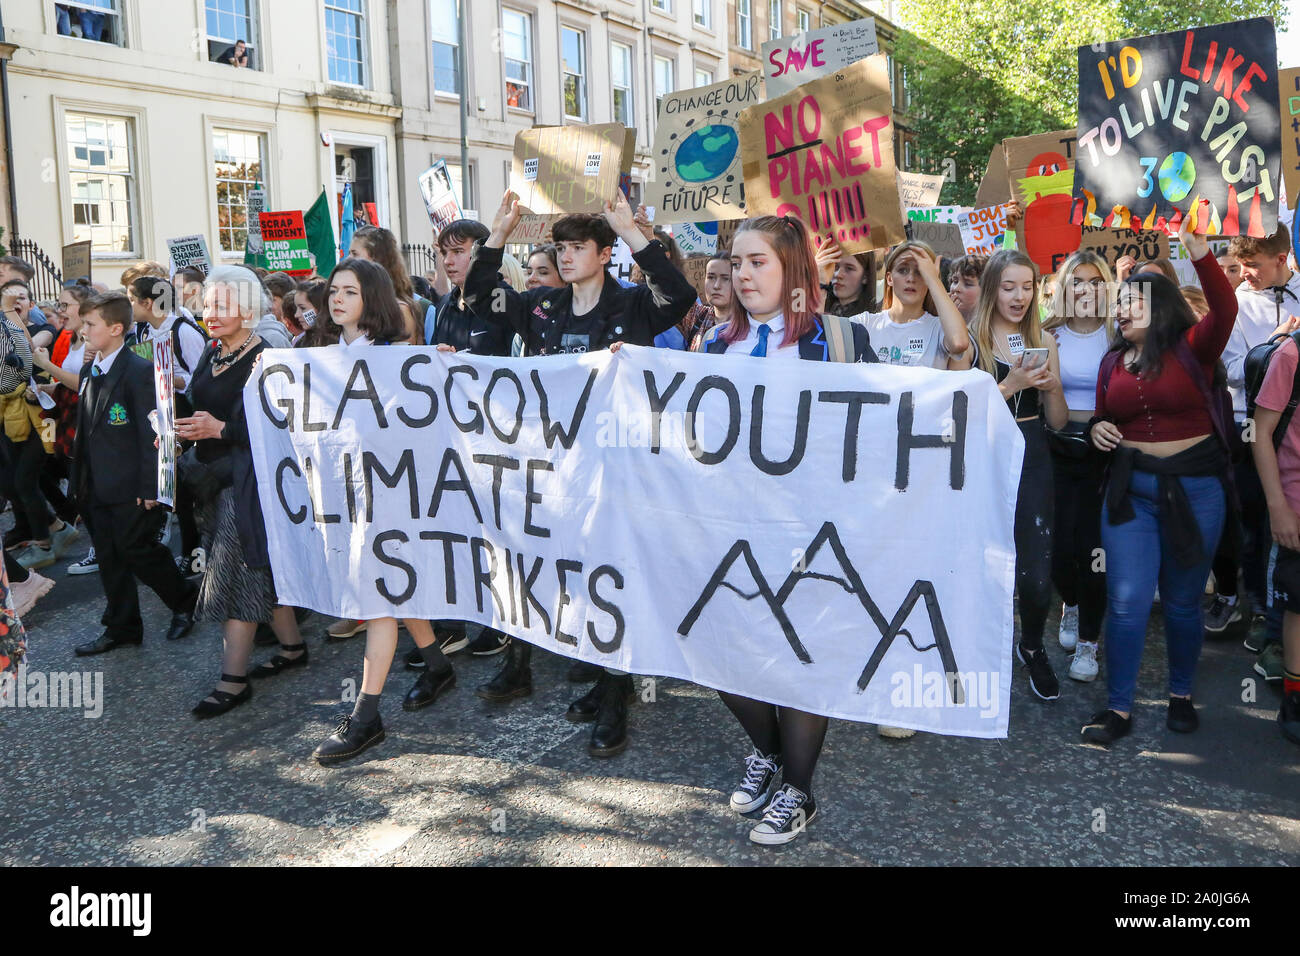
column 1069, row 633
column 25, row 594
column 785, row 818
column 87, row 565
column 1083, row 666
column 895, row 733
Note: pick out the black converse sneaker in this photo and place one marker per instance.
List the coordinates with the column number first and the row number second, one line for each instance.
column 789, row 813
column 1042, row 679
column 760, row 772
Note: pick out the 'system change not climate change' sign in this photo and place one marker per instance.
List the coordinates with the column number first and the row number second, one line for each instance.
column 1168, row 119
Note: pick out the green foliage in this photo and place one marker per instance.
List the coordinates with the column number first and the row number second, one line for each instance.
column 988, row 69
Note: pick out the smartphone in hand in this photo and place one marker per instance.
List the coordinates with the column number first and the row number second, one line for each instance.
column 1034, row 358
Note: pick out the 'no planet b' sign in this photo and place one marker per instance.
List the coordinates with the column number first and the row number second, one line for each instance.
column 1168, row 119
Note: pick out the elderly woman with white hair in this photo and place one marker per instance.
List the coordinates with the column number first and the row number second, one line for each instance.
column 237, row 588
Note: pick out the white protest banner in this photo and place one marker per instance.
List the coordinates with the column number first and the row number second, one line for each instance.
column 439, row 196
column 982, row 229
column 164, row 419
column 793, row 60
column 190, row 251
column 577, row 502
column 937, row 214
column 620, row 261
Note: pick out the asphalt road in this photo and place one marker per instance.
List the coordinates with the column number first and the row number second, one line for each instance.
column 466, row 782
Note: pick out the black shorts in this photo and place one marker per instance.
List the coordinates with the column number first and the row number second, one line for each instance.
column 1283, row 581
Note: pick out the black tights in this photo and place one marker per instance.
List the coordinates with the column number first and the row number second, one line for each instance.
column 1077, row 543
column 793, row 734
column 1034, row 536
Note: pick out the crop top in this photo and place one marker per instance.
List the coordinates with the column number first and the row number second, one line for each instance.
column 1080, row 357
column 1025, row 403
column 1170, row 407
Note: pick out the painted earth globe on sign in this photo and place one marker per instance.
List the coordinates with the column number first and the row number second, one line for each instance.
column 1177, row 174
column 706, row 153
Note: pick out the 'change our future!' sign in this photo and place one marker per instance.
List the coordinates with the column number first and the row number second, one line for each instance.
column 537, row 497
column 1167, row 119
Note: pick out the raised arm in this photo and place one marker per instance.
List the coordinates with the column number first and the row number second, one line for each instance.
column 1209, row 337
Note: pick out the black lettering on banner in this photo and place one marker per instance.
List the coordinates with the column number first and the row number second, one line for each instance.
column 381, row 585
column 299, row 516
column 562, row 567
column 702, row 388
column 313, row 494
column 526, row 592
column 659, row 402
column 284, row 404
column 609, row 607
column 510, row 436
column 955, row 444
column 371, row 467
column 448, row 538
column 534, row 498
column 553, row 430
column 307, row 424
column 741, row 549
column 510, row 589
column 852, row 582
column 763, row 464
column 350, row 486
column 484, row 576
column 361, row 370
column 475, row 424
column 498, row 464
column 450, row 458
column 852, row 419
column 411, row 384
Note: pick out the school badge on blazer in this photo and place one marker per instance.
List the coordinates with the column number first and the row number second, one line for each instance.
column 117, row 414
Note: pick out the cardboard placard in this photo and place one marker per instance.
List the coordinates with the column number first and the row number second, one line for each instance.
column 697, row 268
column 563, row 169
column 994, row 189
column 533, row 230
column 190, row 251
column 1169, row 119
column 696, row 238
column 440, row 197
column 943, row 237
column 256, row 206
column 697, row 172
column 727, row 233
column 982, row 229
column 918, row 190
column 794, row 60
column 1288, row 86
column 1041, row 170
column 1114, row 244
column 76, row 261
column 825, row 153
column 284, row 241
column 946, row 214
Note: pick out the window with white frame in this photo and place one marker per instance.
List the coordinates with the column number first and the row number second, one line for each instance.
column 98, row 20
column 663, row 71
column 345, row 41
column 231, row 25
column 446, row 41
column 703, row 14
column 703, row 77
column 745, row 24
column 517, row 40
column 620, row 68
column 907, row 154
column 237, row 161
column 802, row 21
column 102, row 181
column 453, row 170
column 573, row 56
column 665, row 5
column 774, row 16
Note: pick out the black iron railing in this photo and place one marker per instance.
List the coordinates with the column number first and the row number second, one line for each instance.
column 419, row 258
column 47, row 283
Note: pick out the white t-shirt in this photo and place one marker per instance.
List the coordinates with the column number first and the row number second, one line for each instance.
column 919, row 342
column 75, row 358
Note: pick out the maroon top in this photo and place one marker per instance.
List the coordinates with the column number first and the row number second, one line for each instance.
column 1169, row 407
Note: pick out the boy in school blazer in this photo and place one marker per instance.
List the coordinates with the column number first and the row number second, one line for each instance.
column 116, row 479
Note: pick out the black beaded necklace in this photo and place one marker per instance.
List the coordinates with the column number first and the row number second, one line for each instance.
column 222, row 361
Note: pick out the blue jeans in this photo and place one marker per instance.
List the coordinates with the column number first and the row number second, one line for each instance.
column 1138, row 555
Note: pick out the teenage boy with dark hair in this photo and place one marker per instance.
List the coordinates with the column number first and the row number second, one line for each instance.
column 591, row 312
column 1268, row 301
column 116, row 480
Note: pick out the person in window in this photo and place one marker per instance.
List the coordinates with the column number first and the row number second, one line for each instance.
column 236, row 55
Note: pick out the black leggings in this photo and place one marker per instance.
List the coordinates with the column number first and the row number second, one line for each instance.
column 1078, row 483
column 793, row 734
column 1034, row 535
column 22, row 480
column 1250, row 556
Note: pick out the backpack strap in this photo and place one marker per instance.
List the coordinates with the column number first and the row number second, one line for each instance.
column 709, row 337
column 839, row 337
column 1284, row 421
column 1187, row 359
column 176, row 338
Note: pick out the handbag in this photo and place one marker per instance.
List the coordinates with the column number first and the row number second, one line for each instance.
column 202, row 479
column 1070, row 441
